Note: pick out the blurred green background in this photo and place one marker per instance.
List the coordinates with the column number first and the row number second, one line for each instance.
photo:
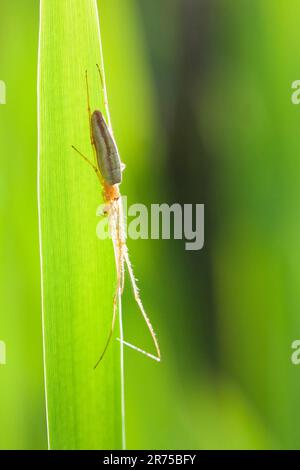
column 200, row 97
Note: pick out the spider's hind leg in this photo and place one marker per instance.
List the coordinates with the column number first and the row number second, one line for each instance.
column 119, row 263
column 142, row 310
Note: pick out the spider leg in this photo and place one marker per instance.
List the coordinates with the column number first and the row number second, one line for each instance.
column 142, row 310
column 90, row 116
column 115, row 302
column 95, row 168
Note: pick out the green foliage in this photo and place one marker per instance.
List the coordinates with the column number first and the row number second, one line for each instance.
column 78, row 270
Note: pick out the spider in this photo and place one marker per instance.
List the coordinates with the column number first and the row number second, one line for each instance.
column 108, row 168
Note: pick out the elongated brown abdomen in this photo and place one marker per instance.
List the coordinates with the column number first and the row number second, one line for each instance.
column 107, row 153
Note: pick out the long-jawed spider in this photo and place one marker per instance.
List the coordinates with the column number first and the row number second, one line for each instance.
column 108, row 168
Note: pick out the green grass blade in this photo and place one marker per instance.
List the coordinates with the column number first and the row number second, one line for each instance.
column 78, row 269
